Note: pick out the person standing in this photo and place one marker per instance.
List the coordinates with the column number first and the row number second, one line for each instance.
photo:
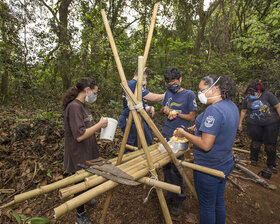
column 146, row 96
column 215, row 131
column 263, row 111
column 179, row 105
column 79, row 138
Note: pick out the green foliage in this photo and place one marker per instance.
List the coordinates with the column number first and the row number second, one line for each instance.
column 22, row 219
column 240, row 39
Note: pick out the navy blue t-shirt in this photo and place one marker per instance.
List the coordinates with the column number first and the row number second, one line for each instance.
column 261, row 111
column 220, row 119
column 132, row 85
column 183, row 102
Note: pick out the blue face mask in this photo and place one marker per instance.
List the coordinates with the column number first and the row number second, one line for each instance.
column 174, row 89
column 253, row 97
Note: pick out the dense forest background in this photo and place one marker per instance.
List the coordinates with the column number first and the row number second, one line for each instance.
column 47, row 45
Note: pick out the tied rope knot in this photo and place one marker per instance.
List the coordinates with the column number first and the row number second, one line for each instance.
column 151, row 181
column 137, row 107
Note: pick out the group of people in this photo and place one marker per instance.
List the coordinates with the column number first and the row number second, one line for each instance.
column 214, row 132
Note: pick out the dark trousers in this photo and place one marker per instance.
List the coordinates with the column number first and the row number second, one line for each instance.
column 132, row 137
column 173, row 176
column 268, row 135
column 210, row 191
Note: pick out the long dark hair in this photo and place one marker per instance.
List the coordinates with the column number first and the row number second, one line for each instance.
column 73, row 92
column 226, row 85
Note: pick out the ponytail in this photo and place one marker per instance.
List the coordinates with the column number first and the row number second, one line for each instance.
column 73, row 92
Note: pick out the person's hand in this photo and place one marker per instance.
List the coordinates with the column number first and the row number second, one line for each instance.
column 152, row 110
column 103, row 122
column 172, row 114
column 240, row 128
column 165, row 110
column 192, row 128
column 179, row 132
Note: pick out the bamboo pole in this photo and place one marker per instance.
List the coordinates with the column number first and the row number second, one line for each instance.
column 138, row 163
column 149, row 121
column 161, row 198
column 83, row 198
column 240, row 150
column 134, row 148
column 113, row 46
column 77, row 177
column 203, row 169
column 151, row 30
column 139, row 90
column 166, row 186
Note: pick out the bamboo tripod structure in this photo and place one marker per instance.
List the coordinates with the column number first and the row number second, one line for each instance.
column 136, row 102
column 137, row 164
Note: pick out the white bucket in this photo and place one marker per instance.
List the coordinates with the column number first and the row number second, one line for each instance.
column 108, row 133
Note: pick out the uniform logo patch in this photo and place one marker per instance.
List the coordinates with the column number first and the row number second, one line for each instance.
column 194, row 103
column 209, row 121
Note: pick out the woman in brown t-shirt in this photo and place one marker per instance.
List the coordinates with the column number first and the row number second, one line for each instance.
column 79, row 137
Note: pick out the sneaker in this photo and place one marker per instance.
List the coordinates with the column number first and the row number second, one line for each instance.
column 177, row 209
column 91, row 202
column 273, row 169
column 253, row 162
column 82, row 219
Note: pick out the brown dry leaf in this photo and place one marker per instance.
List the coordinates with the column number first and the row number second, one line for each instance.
column 3, row 134
column 42, row 139
column 191, row 218
column 57, row 133
column 28, row 211
column 57, row 177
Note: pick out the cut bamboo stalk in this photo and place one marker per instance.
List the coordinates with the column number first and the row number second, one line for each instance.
column 139, row 90
column 161, row 198
column 83, row 198
column 131, row 147
column 95, row 180
column 150, row 34
column 149, row 121
column 170, row 152
column 166, row 186
column 203, row 169
column 240, row 150
column 113, row 46
column 77, row 177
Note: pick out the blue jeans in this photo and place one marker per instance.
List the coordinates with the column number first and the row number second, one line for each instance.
column 210, row 191
column 132, row 137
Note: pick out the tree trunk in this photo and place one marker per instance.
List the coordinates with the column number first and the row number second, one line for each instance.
column 5, row 77
column 203, row 18
column 64, row 70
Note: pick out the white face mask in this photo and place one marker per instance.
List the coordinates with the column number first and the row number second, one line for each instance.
column 201, row 96
column 144, row 82
column 91, row 98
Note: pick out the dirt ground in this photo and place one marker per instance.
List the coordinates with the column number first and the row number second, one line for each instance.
column 31, row 155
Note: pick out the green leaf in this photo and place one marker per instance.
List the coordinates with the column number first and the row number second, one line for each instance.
column 245, row 47
column 274, row 22
column 17, row 217
column 238, row 45
column 255, row 50
column 38, row 220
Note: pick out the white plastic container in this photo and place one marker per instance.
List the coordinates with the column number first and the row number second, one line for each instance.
column 108, row 133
